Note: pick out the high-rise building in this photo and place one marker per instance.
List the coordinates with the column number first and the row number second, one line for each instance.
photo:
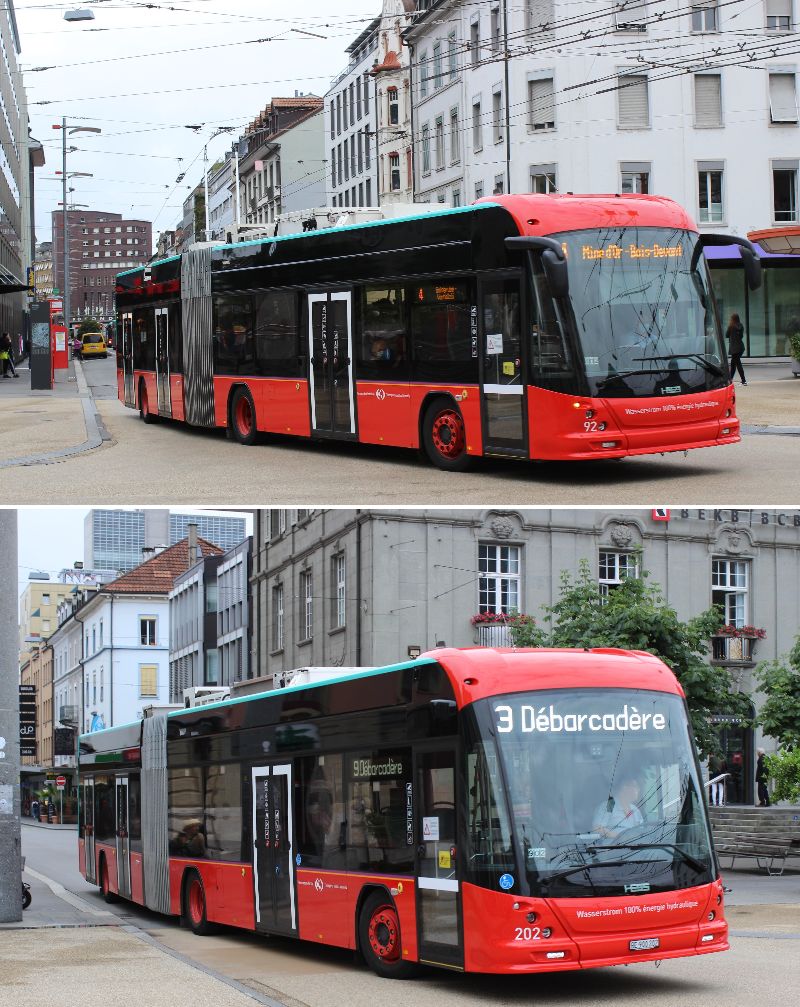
column 115, row 538
column 101, row 244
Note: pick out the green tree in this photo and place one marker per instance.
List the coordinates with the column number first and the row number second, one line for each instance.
column 636, row 616
column 780, row 718
column 89, row 325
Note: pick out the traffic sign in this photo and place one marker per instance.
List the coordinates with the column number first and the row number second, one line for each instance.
column 61, row 782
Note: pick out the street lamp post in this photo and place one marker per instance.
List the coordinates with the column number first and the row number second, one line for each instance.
column 75, row 129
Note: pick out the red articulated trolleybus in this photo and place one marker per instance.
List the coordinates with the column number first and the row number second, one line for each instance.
column 530, row 326
column 480, row 810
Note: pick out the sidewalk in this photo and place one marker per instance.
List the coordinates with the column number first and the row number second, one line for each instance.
column 41, row 427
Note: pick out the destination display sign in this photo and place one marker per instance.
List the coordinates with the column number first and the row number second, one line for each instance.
column 631, row 251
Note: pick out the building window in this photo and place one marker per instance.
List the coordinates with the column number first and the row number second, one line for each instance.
column 784, row 189
column 543, row 178
column 633, row 106
column 613, row 568
column 635, row 177
column 426, row 150
column 495, row 29
column 452, row 58
column 779, row 15
column 333, row 120
column 710, row 194
column 455, row 146
column 394, row 172
column 499, row 185
column 366, row 94
column 479, row 190
column 632, row 16
column 497, row 116
column 307, row 603
column 782, row 97
column 147, row 631
column 456, row 197
column 439, row 143
column 423, row 74
column 499, row 578
column 539, row 15
column 541, row 104
column 707, row 100
column 277, row 617
column 704, row 16
column 729, row 590
column 475, row 41
column 394, row 106
column 338, row 591
column 148, row 679
column 437, row 65
column 477, row 126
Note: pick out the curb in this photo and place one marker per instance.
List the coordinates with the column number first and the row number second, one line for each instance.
column 96, row 433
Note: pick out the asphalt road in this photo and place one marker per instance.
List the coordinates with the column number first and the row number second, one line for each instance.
column 168, row 463
column 762, row 967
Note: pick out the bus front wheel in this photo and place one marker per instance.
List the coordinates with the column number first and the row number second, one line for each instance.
column 379, row 938
column 194, row 905
column 243, row 416
column 444, row 437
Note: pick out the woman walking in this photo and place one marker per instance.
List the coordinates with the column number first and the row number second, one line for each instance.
column 735, row 337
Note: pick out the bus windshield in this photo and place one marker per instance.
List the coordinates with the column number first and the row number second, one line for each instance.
column 605, row 796
column 644, row 313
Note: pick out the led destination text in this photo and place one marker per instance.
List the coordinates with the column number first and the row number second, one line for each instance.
column 616, row 252
column 527, row 719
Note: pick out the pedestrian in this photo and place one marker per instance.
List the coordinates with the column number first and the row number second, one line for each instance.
column 7, row 356
column 761, row 780
column 35, row 809
column 735, row 337
column 716, row 771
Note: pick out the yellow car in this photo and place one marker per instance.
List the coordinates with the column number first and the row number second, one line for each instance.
column 93, row 345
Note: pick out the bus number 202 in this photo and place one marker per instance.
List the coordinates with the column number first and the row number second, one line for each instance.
column 527, row 933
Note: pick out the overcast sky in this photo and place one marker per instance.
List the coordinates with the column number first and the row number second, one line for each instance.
column 51, row 538
column 206, row 69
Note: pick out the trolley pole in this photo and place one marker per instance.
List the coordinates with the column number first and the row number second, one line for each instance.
column 10, row 864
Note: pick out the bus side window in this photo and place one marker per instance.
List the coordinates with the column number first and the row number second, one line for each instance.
column 382, row 347
column 280, row 351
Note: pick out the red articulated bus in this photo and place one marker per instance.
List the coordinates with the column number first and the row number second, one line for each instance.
column 497, row 811
column 530, row 326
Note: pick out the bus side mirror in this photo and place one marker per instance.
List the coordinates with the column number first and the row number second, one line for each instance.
column 557, row 273
column 752, row 268
column 750, row 259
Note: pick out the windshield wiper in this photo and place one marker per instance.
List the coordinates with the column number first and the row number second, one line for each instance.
column 585, row 867
column 698, row 358
column 698, row 865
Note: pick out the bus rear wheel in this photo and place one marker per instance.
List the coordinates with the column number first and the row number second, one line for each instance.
column 444, row 436
column 144, row 405
column 194, row 905
column 243, row 417
column 379, row 938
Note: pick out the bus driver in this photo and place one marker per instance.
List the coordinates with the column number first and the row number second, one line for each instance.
column 621, row 810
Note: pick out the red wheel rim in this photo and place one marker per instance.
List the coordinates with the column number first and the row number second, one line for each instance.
column 384, row 934
column 244, row 416
column 448, row 433
column 196, row 901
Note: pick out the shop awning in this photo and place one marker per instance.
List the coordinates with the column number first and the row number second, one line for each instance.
column 10, row 284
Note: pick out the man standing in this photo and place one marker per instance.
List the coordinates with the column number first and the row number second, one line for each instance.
column 761, row 780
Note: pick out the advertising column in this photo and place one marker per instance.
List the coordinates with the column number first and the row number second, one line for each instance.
column 41, row 355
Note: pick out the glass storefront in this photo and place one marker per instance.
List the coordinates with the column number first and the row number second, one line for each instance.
column 770, row 314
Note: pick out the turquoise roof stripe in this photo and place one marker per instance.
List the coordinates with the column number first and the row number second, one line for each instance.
column 158, row 262
column 367, row 673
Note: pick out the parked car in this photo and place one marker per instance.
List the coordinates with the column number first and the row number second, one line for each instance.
column 92, row 345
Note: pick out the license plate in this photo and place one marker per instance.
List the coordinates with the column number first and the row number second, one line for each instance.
column 644, row 945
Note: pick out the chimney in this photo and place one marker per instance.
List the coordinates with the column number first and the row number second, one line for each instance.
column 193, row 549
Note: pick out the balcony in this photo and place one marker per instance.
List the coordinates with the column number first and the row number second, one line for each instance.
column 68, row 715
column 494, row 635
column 735, row 648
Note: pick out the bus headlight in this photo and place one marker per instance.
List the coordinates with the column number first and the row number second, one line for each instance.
column 712, row 915
column 531, row 917
column 546, row 932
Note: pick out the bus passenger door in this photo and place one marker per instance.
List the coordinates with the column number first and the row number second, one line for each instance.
column 273, row 857
column 162, row 362
column 123, row 839
column 88, row 829
column 503, row 400
column 127, row 357
column 330, row 340
column 438, row 891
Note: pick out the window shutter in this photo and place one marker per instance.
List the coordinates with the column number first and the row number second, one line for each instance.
column 782, row 97
column 632, row 97
column 540, row 12
column 632, row 14
column 542, row 103
column 707, row 99
column 779, row 8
